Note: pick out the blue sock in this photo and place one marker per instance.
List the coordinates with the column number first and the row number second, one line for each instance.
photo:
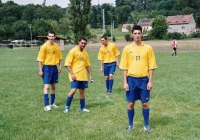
column 145, row 113
column 111, row 84
column 130, row 116
column 46, row 100
column 52, row 98
column 107, row 85
column 68, row 102
column 82, row 103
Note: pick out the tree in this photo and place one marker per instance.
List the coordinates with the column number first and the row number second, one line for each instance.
column 122, row 13
column 159, row 27
column 127, row 37
column 55, row 26
column 64, row 27
column 41, row 27
column 28, row 13
column 22, row 29
column 78, row 15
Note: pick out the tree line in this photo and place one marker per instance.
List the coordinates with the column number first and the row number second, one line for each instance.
column 17, row 21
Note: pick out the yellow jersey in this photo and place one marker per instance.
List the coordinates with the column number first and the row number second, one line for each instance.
column 108, row 53
column 138, row 60
column 49, row 54
column 78, row 60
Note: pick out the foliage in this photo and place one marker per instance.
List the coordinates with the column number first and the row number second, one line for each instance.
column 124, row 11
column 173, row 35
column 65, row 27
column 22, row 29
column 107, row 33
column 41, row 27
column 127, row 37
column 159, row 27
column 79, row 16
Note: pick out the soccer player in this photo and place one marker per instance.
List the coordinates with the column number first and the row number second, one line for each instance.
column 49, row 57
column 174, row 47
column 77, row 62
column 108, row 56
column 138, row 64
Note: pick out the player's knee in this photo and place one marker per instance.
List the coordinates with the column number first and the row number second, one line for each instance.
column 110, row 76
column 130, row 105
column 145, row 105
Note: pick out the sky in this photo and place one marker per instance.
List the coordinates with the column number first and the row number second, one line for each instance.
column 61, row 3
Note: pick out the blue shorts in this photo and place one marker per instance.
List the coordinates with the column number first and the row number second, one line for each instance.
column 137, row 89
column 50, row 74
column 79, row 84
column 109, row 68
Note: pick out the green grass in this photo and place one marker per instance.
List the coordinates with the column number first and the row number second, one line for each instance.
column 174, row 102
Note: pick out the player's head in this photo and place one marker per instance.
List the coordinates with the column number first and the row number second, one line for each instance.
column 82, row 42
column 51, row 36
column 137, row 27
column 82, row 38
column 104, row 40
column 137, row 33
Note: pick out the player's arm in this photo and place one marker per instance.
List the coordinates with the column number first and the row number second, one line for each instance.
column 40, row 69
column 101, row 65
column 150, row 83
column 89, row 72
column 71, row 72
column 59, row 67
column 117, row 61
column 126, row 87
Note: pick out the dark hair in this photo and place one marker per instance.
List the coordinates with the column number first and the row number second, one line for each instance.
column 137, row 27
column 105, row 37
column 51, row 32
column 82, row 38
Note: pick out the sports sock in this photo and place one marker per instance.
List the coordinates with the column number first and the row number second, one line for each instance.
column 107, row 85
column 82, row 103
column 111, row 84
column 130, row 116
column 46, row 100
column 68, row 102
column 145, row 113
column 52, row 98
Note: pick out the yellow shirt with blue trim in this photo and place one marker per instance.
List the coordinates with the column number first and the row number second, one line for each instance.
column 138, row 60
column 78, row 60
column 49, row 54
column 108, row 53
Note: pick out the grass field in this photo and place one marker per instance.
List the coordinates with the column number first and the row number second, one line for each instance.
column 174, row 102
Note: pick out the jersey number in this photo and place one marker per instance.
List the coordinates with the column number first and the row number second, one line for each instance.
column 137, row 58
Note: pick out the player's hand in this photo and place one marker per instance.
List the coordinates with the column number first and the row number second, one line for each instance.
column 126, row 87
column 73, row 77
column 40, row 73
column 149, row 86
column 117, row 65
column 101, row 70
column 59, row 70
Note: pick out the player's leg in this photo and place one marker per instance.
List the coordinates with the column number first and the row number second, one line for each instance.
column 131, row 97
column 83, row 85
column 46, row 80
column 145, row 94
column 106, row 74
column 130, row 113
column 54, row 80
column 175, row 51
column 111, row 75
column 46, row 98
column 53, row 96
column 144, row 97
column 74, row 86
